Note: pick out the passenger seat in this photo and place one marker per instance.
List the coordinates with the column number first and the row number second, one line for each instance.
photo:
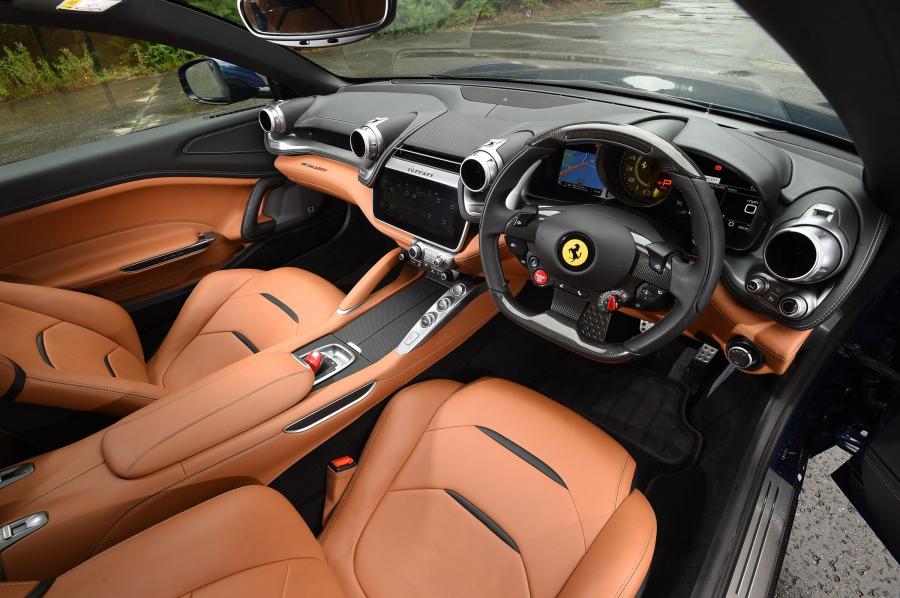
column 79, row 351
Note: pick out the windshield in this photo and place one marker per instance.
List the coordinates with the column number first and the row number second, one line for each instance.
column 707, row 51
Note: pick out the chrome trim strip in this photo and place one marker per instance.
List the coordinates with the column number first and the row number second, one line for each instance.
column 437, row 175
column 406, row 149
column 371, row 385
column 428, row 173
column 204, row 240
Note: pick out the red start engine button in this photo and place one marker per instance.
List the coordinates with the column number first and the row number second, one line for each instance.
column 540, row 278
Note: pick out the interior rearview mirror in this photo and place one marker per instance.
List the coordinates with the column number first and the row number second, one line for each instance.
column 210, row 81
column 316, row 23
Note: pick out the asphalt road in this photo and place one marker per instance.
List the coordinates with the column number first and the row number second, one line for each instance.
column 832, row 551
column 711, row 40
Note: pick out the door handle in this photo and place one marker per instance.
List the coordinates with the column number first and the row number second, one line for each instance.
column 204, row 240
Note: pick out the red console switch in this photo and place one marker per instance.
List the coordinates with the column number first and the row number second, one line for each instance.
column 314, row 361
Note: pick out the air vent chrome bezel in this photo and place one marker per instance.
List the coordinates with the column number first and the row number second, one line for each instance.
column 367, row 142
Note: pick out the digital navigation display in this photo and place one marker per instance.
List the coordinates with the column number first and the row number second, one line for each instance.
column 424, row 208
column 739, row 200
column 578, row 171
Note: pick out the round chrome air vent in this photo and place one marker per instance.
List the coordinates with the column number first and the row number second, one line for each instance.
column 272, row 119
column 478, row 171
column 367, row 142
column 802, row 254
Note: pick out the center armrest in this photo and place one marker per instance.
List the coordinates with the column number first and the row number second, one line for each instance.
column 205, row 413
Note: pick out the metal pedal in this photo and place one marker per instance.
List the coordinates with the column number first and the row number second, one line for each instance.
column 706, row 353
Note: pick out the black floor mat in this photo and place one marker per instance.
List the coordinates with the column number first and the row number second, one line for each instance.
column 634, row 402
column 640, row 407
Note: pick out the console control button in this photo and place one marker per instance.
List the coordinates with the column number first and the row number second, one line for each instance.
column 458, row 290
column 415, row 252
column 444, row 303
column 428, row 319
column 757, row 285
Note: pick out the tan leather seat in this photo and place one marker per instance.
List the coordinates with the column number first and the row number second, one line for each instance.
column 488, row 489
column 80, row 351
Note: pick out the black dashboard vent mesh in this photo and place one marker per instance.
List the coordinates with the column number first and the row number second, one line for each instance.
column 428, row 158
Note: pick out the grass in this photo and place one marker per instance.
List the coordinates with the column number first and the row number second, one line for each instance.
column 24, row 75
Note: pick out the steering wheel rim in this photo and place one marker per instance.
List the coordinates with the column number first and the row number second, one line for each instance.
column 691, row 283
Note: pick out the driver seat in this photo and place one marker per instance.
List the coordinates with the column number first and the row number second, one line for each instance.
column 485, row 489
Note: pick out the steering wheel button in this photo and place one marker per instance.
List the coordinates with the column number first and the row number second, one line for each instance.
column 612, row 303
column 533, row 261
column 540, row 278
column 517, row 246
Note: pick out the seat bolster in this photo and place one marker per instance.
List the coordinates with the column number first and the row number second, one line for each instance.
column 87, row 392
column 395, row 436
column 88, row 311
column 207, row 297
column 618, row 559
column 249, row 536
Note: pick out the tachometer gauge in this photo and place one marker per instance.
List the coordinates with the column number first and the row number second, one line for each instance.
column 644, row 179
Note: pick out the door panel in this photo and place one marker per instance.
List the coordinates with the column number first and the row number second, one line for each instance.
column 75, row 218
column 871, row 480
column 83, row 242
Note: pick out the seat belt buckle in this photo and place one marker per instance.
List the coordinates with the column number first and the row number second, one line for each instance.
column 341, row 464
column 337, row 478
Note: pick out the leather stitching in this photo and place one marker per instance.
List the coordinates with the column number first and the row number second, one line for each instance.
column 92, row 387
column 209, row 415
column 637, row 563
column 735, row 325
column 396, row 473
column 362, row 461
column 162, row 492
column 177, row 397
column 876, row 469
column 60, row 321
column 194, row 293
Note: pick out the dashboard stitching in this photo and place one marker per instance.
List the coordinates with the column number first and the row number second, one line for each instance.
column 870, row 252
column 735, row 326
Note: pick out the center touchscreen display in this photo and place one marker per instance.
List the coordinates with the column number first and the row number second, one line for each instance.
column 425, row 208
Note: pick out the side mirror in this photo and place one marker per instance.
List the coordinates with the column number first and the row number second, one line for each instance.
column 316, row 23
column 210, row 81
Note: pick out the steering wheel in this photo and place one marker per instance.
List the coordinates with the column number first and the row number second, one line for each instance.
column 600, row 257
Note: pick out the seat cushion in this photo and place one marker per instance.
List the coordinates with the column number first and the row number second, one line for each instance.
column 247, row 542
column 489, row 489
column 235, row 313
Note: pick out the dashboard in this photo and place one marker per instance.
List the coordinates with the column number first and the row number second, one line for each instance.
column 800, row 229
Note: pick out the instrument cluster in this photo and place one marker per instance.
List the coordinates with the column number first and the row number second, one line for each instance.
column 610, row 173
